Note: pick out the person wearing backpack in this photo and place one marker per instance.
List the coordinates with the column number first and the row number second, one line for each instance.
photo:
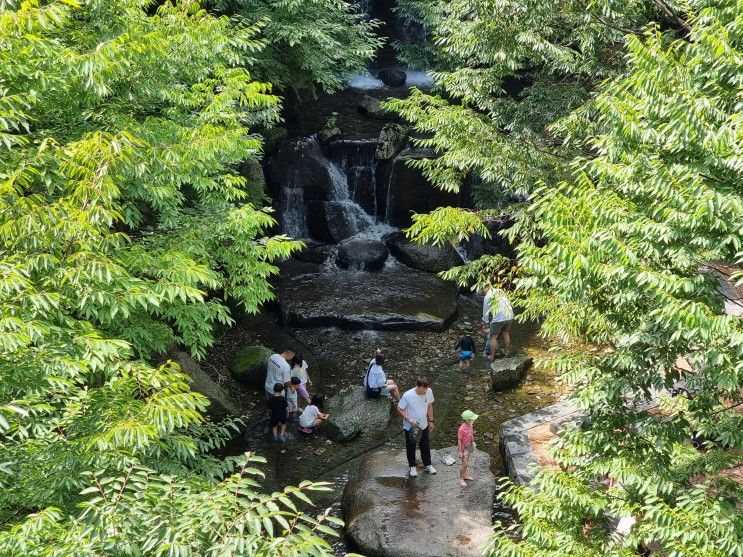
column 376, row 383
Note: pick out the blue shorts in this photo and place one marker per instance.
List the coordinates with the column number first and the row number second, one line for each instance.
column 465, row 355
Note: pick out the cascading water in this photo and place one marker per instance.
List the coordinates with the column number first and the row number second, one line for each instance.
column 355, row 216
column 339, row 179
column 292, row 207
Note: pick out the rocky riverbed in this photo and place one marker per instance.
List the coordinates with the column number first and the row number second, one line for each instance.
column 338, row 358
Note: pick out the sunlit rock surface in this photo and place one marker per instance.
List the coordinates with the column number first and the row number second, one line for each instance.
column 388, row 514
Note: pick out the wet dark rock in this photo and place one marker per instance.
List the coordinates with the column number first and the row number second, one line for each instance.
column 334, row 221
column 496, row 244
column 393, row 300
column 249, row 365
column 392, row 140
column 409, row 191
column 362, row 254
column 388, row 514
column 352, row 413
column 507, row 373
column 222, row 404
column 315, row 252
column 301, row 163
column 423, row 257
column 392, row 77
column 370, row 106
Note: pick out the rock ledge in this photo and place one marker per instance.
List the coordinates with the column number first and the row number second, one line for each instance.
column 390, row 515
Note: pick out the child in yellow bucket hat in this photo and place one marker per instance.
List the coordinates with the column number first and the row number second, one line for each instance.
column 466, row 444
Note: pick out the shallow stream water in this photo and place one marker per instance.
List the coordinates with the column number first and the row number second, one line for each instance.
column 340, row 360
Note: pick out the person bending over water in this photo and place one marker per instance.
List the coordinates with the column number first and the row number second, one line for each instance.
column 312, row 416
column 466, row 347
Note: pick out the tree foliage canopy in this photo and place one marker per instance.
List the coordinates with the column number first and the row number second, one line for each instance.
column 622, row 246
column 124, row 230
column 309, row 44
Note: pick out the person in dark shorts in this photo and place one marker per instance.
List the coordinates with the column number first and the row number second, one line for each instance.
column 466, row 347
column 279, row 410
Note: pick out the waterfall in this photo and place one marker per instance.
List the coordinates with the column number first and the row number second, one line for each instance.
column 328, row 192
column 355, row 214
column 293, row 212
column 359, row 165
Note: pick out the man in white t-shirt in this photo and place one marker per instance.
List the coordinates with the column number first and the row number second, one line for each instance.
column 278, row 370
column 416, row 409
column 497, row 316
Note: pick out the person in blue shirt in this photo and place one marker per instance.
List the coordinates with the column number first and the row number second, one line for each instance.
column 466, row 347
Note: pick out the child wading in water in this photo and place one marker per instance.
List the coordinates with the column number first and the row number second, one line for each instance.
column 312, row 416
column 278, row 405
column 466, row 444
column 466, row 349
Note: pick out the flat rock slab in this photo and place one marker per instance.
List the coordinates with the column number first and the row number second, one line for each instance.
column 388, row 514
column 507, row 373
column 352, row 413
column 392, row 300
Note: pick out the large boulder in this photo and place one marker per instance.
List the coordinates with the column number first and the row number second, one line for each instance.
column 388, row 514
column 393, row 300
column 249, row 365
column 392, row 140
column 222, row 404
column 392, row 77
column 507, row 373
column 423, row 257
column 334, row 221
column 301, row 164
column 362, row 254
column 495, row 244
column 314, row 252
column 409, row 191
column 371, row 107
column 352, row 413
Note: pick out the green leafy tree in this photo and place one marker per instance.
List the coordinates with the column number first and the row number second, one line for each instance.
column 124, row 229
column 505, row 71
column 310, row 45
column 627, row 255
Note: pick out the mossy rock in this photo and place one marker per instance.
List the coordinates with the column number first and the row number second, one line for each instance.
column 249, row 365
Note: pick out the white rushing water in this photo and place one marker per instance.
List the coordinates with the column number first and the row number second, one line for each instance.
column 367, row 82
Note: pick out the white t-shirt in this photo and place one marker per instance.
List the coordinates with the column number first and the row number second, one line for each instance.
column 502, row 307
column 416, row 406
column 301, row 372
column 277, row 371
column 309, row 415
column 291, row 399
column 375, row 374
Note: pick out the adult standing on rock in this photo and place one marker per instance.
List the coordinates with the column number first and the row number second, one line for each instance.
column 278, row 370
column 416, row 409
column 497, row 316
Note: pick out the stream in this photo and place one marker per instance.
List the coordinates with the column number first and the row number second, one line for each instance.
column 347, row 202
